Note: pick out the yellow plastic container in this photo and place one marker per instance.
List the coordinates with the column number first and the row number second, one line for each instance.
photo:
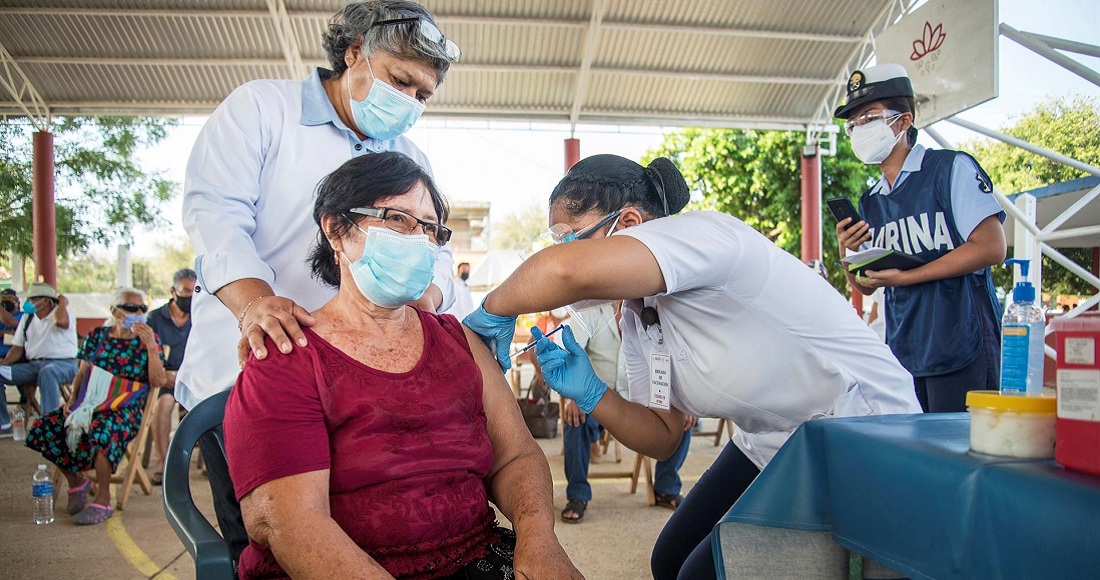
column 1011, row 425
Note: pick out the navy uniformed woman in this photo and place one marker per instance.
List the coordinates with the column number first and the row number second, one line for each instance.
column 942, row 318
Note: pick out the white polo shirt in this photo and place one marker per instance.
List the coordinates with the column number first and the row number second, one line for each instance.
column 754, row 336
column 46, row 340
column 248, row 209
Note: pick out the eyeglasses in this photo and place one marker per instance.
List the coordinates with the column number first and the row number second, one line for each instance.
column 868, row 118
column 132, row 308
column 430, row 34
column 405, row 223
column 561, row 233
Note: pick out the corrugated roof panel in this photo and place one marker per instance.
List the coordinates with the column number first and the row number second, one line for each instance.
column 138, row 36
column 525, row 89
column 67, row 83
column 609, row 91
column 196, row 5
column 842, row 17
column 532, row 9
column 668, row 60
column 708, row 53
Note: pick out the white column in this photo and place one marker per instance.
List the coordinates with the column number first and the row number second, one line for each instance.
column 125, row 274
column 18, row 280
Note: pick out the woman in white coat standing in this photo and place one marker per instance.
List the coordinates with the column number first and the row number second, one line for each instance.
column 717, row 322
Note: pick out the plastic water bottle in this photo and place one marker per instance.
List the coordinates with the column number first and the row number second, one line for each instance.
column 18, row 424
column 1022, row 333
column 42, row 495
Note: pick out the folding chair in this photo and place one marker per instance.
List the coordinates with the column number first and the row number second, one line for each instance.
column 210, row 552
column 134, row 453
column 641, row 463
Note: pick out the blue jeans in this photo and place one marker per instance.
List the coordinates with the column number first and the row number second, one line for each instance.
column 48, row 374
column 578, row 449
column 5, row 418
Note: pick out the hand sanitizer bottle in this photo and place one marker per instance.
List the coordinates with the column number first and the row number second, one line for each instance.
column 1022, row 333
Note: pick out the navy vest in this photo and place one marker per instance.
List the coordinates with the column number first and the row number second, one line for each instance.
column 936, row 327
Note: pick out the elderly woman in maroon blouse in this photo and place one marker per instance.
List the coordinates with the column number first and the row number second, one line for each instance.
column 375, row 450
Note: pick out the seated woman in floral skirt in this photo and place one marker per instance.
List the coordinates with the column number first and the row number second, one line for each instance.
column 90, row 432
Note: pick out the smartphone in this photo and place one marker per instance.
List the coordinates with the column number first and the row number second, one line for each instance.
column 842, row 208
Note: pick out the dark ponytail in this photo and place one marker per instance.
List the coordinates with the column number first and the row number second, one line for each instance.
column 609, row 182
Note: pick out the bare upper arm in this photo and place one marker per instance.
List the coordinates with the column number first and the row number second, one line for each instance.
column 507, row 431
column 614, row 267
column 282, row 501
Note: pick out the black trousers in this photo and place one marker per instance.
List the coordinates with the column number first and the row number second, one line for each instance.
column 225, row 499
column 683, row 548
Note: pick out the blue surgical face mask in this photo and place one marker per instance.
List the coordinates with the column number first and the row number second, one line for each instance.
column 395, row 268
column 130, row 320
column 386, row 113
column 29, row 307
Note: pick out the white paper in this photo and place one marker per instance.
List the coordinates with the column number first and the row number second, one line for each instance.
column 865, row 255
column 1079, row 394
column 659, row 376
column 1081, row 351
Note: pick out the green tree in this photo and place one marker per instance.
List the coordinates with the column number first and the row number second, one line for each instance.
column 1068, row 126
column 756, row 176
column 169, row 257
column 92, row 272
column 518, row 230
column 101, row 192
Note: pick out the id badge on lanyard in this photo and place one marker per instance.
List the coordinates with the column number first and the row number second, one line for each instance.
column 660, row 364
column 659, row 380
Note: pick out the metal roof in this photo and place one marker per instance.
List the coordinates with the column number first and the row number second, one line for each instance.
column 752, row 63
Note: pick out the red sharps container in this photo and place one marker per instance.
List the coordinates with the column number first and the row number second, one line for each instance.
column 1077, row 428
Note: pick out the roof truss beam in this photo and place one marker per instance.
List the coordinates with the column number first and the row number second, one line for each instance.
column 591, row 42
column 285, row 32
column 687, row 75
column 27, row 98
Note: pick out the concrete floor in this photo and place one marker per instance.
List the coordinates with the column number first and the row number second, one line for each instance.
column 613, row 541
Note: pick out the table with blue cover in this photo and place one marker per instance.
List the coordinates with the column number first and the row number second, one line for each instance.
column 906, row 491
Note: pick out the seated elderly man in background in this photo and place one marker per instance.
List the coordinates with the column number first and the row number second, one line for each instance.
column 377, row 448
column 46, row 334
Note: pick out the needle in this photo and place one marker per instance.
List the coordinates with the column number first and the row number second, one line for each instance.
column 531, row 345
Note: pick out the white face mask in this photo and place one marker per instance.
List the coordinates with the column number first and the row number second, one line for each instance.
column 873, row 142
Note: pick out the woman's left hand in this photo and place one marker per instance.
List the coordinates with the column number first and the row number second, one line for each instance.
column 542, row 557
column 146, row 334
column 883, row 278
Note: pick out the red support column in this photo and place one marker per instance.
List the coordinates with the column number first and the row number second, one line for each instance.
column 811, row 204
column 572, row 153
column 43, row 211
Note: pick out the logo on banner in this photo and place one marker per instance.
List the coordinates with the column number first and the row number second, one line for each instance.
column 928, row 45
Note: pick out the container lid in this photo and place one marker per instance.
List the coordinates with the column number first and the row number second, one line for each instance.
column 1018, row 403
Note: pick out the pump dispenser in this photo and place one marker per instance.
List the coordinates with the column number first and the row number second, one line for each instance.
column 1022, row 332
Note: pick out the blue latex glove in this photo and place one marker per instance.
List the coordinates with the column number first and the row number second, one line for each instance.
column 568, row 371
column 495, row 331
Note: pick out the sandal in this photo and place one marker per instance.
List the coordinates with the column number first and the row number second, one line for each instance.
column 157, row 479
column 93, row 514
column 669, row 501
column 576, row 508
column 78, row 497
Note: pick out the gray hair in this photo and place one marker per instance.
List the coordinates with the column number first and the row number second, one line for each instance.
column 184, row 274
column 121, row 293
column 354, row 23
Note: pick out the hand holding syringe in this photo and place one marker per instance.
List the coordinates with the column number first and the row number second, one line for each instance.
column 531, row 345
